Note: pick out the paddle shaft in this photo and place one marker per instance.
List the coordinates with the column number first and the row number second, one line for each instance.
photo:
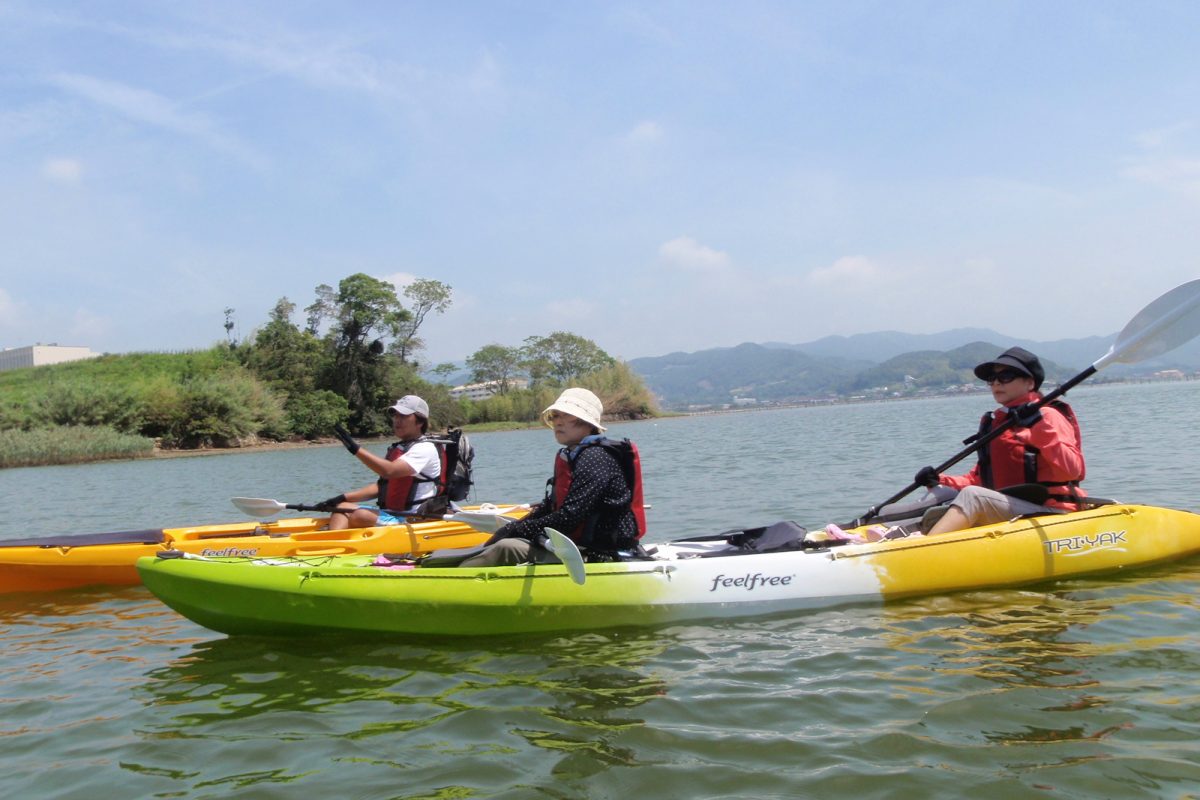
column 484, row 522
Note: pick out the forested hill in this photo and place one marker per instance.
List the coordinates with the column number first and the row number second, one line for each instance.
column 885, row 363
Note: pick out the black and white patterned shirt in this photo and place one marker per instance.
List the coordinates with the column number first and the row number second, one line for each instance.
column 598, row 492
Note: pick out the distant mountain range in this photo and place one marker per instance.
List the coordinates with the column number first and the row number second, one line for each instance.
column 836, row 366
column 833, row 366
column 880, row 346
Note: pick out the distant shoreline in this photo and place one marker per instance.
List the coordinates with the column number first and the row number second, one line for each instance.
column 264, row 447
column 838, row 401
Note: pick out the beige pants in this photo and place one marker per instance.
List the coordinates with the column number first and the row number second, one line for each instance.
column 508, row 552
column 984, row 506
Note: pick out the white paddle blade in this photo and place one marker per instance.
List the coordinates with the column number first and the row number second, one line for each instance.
column 258, row 507
column 1160, row 327
column 480, row 520
column 568, row 554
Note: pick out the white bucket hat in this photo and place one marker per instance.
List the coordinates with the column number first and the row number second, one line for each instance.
column 578, row 403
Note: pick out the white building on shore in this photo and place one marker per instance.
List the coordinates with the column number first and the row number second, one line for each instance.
column 37, row 355
column 479, row 391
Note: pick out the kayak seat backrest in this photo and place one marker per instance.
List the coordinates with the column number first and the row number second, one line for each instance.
column 783, row 535
column 1096, row 502
column 149, row 536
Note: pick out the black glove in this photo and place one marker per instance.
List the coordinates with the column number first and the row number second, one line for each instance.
column 1026, row 415
column 330, row 504
column 927, row 477
column 347, row 439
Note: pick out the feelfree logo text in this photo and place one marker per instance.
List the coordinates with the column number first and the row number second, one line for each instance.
column 750, row 582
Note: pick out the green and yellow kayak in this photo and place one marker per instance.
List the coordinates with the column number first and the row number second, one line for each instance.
column 684, row 580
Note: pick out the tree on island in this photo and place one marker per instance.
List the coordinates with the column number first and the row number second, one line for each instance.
column 495, row 362
column 562, row 356
column 424, row 296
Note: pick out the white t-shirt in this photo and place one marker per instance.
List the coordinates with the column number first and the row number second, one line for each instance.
column 423, row 458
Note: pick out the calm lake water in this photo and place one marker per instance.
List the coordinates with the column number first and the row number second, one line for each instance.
column 1082, row 689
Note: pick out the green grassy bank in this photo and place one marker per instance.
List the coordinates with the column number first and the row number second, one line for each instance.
column 69, row 444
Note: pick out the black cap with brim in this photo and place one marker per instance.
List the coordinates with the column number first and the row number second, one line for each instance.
column 1016, row 358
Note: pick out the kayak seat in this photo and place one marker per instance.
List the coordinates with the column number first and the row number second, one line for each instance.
column 1096, row 502
column 149, row 536
column 449, row 557
column 783, row 535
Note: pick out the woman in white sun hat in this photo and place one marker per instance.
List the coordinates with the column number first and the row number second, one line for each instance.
column 594, row 496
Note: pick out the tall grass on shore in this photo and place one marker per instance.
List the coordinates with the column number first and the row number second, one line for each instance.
column 69, row 444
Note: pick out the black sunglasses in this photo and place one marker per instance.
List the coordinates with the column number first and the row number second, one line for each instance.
column 1004, row 376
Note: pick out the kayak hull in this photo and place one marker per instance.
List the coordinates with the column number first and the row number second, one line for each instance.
column 109, row 559
column 298, row 596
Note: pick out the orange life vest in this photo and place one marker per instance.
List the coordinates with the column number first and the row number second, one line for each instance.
column 1007, row 462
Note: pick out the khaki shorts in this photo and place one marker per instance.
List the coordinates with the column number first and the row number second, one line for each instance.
column 985, row 506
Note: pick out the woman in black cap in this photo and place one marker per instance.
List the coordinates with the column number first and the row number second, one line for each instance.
column 1042, row 447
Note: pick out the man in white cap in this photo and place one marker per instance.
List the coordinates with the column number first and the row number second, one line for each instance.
column 408, row 475
column 595, row 496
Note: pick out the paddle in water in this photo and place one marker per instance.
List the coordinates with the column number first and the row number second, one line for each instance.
column 1169, row 321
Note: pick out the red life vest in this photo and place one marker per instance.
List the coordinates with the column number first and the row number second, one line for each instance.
column 1007, row 462
column 397, row 494
column 627, row 456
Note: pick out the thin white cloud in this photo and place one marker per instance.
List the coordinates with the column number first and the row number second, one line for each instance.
column 487, row 76
column 13, row 321
column 570, row 309
column 645, row 132
column 641, row 24
column 398, row 279
column 1160, row 137
column 1180, row 175
column 62, row 170
column 88, row 327
column 331, row 62
column 318, row 60
column 329, row 65
column 848, row 272
column 31, row 121
column 686, row 253
column 153, row 109
column 1165, row 160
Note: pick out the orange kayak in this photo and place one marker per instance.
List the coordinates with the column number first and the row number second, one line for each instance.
column 107, row 559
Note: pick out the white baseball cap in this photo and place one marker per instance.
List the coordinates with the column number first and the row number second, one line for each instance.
column 411, row 404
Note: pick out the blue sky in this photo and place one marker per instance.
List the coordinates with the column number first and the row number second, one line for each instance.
column 654, row 176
